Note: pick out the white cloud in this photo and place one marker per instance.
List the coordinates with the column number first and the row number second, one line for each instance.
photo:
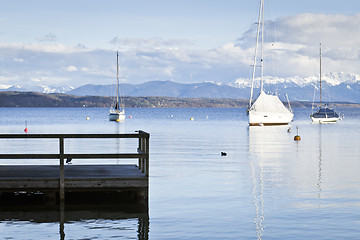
column 2, row 86
column 49, row 80
column 34, row 79
column 154, row 43
column 294, row 43
column 295, row 52
column 169, row 71
column 332, row 30
column 71, row 69
column 47, row 48
column 20, row 60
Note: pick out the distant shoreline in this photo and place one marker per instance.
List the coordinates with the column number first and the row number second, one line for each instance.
column 35, row 99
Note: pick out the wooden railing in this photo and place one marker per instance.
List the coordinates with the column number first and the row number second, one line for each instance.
column 142, row 151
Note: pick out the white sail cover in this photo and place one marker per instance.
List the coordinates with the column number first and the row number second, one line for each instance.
column 269, row 103
column 269, row 110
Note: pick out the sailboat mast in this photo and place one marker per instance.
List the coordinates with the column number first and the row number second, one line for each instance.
column 117, row 80
column 320, row 74
column 262, row 44
column 255, row 55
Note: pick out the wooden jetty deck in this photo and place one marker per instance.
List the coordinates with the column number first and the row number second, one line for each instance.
column 62, row 178
column 77, row 177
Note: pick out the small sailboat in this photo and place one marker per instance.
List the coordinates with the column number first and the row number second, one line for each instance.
column 324, row 114
column 267, row 109
column 117, row 114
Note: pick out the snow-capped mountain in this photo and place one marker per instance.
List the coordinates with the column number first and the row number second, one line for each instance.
column 332, row 79
column 337, row 87
column 38, row 88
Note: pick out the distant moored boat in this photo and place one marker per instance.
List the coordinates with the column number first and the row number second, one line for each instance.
column 117, row 114
column 324, row 114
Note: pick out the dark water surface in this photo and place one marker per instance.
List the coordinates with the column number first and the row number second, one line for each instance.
column 267, row 187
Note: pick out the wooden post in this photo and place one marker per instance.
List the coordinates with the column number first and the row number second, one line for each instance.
column 147, row 155
column 144, row 147
column 62, row 174
column 143, row 151
column 62, row 221
column 139, row 151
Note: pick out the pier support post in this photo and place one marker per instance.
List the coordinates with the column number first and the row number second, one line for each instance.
column 62, row 221
column 140, row 151
column 144, row 149
column 62, row 174
column 147, row 148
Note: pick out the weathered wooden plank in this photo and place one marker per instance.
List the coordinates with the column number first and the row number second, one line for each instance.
column 72, row 155
column 29, row 156
column 127, row 135
column 71, row 171
column 103, row 184
column 95, row 177
column 27, row 184
column 106, row 155
column 77, row 184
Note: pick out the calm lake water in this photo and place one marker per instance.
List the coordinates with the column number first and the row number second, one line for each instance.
column 267, row 187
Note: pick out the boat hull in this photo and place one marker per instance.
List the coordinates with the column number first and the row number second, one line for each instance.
column 116, row 116
column 324, row 120
column 325, row 115
column 269, row 118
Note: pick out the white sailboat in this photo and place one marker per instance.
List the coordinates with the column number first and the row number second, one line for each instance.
column 324, row 114
column 266, row 109
column 117, row 114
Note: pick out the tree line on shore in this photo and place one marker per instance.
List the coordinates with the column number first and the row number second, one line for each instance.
column 35, row 99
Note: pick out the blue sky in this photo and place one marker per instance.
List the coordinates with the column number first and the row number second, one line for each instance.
column 73, row 42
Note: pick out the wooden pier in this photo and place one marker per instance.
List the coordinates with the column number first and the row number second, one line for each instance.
column 56, row 181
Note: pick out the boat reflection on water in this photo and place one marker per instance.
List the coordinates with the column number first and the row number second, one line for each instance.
column 266, row 149
column 257, row 191
column 320, row 164
column 125, row 220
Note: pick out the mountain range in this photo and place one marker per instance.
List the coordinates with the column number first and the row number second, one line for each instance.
column 337, row 87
